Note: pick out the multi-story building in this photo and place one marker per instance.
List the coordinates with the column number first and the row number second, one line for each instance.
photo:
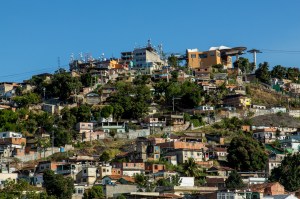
column 147, row 59
column 198, row 59
column 130, row 168
column 237, row 101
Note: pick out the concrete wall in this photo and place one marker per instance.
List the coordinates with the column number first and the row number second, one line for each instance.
column 113, row 191
column 133, row 134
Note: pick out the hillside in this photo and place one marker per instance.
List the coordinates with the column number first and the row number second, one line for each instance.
column 283, row 120
column 263, row 96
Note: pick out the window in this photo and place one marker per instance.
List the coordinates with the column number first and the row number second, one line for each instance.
column 103, row 170
column 212, row 53
column 202, row 56
column 84, row 171
column 193, row 56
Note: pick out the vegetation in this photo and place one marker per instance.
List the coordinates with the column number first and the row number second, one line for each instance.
column 288, row 173
column 234, row 181
column 246, row 154
column 57, row 185
column 96, row 192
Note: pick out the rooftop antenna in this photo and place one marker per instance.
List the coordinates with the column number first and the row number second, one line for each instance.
column 72, row 57
column 102, row 57
column 160, row 49
column 149, row 43
column 80, row 56
column 254, row 51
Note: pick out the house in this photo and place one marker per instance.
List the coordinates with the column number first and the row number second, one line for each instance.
column 237, row 101
column 265, row 135
column 117, row 179
column 214, row 56
column 216, row 181
column 104, row 170
column 268, row 189
column 151, row 168
column 202, row 74
column 173, row 145
column 238, row 195
column 10, row 134
column 130, row 168
column 219, row 171
column 182, row 155
column 87, row 175
column 173, row 120
column 92, row 98
column 7, row 88
column 106, row 127
column 84, row 127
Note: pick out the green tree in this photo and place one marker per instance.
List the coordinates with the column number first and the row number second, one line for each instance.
column 191, row 168
column 96, row 192
column 27, row 99
column 234, row 181
column 104, row 157
column 107, row 111
column 288, row 173
column 121, row 197
column 143, row 182
column 112, row 132
column 86, row 79
column 57, row 185
column 262, row 73
column 191, row 94
column 279, row 72
column 173, row 61
column 246, row 154
column 244, row 65
column 84, row 113
column 63, row 85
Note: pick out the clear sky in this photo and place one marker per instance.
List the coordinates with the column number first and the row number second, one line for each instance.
column 34, row 33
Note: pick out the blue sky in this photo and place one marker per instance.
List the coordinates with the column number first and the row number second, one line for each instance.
column 34, row 33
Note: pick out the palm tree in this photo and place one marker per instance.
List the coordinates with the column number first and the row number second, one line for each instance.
column 191, row 168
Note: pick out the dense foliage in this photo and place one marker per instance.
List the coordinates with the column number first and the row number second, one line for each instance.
column 246, row 154
column 288, row 173
column 234, row 181
column 57, row 185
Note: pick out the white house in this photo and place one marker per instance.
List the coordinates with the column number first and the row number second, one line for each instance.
column 10, row 134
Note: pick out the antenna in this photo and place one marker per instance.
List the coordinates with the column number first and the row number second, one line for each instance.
column 149, row 43
column 80, row 56
column 72, row 57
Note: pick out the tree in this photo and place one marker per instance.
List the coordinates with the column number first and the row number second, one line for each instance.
column 112, row 132
column 279, row 72
column 86, row 79
column 262, row 73
column 143, row 183
column 63, row 85
column 191, row 94
column 191, row 168
column 288, row 173
column 171, row 181
column 244, row 65
column 107, row 111
column 84, row 113
column 246, row 154
column 96, row 192
column 27, row 99
column 234, row 181
column 57, row 185
column 104, row 157
column 173, row 61
column 121, row 197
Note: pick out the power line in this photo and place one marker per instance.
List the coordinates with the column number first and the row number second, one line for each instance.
column 33, row 71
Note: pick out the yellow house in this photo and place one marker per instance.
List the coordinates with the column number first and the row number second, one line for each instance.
column 237, row 101
column 196, row 59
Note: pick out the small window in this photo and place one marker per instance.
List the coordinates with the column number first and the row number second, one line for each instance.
column 193, row 56
column 202, row 56
column 84, row 171
column 212, row 54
